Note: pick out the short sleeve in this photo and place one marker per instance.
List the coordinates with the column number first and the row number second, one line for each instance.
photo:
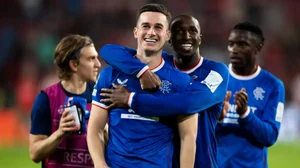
column 41, row 115
column 103, row 81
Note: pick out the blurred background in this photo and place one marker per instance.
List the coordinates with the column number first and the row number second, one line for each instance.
column 31, row 29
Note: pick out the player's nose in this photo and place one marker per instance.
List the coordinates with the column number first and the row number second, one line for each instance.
column 97, row 63
column 233, row 48
column 187, row 35
column 151, row 31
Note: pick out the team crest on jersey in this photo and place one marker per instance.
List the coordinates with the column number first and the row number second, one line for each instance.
column 259, row 93
column 123, row 83
column 165, row 86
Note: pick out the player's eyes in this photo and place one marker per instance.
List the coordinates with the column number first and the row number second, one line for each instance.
column 179, row 31
column 242, row 44
column 193, row 31
column 158, row 27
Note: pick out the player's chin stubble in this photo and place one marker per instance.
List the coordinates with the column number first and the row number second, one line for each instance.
column 150, row 53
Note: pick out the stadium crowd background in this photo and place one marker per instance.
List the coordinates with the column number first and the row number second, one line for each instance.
column 30, row 30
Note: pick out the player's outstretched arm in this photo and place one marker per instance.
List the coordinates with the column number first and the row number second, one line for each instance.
column 95, row 135
column 188, row 102
column 202, row 94
column 187, row 127
column 198, row 97
column 265, row 130
column 150, row 105
column 41, row 146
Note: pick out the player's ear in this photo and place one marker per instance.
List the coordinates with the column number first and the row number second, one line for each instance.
column 168, row 35
column 73, row 65
column 258, row 48
column 200, row 39
column 170, row 38
column 170, row 42
column 135, row 32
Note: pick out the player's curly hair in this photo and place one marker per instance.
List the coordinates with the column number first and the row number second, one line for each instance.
column 69, row 49
column 251, row 27
column 155, row 7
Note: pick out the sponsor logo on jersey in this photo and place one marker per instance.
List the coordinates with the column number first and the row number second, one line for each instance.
column 232, row 116
column 123, row 83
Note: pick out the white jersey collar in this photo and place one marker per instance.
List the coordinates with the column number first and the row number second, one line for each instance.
column 240, row 77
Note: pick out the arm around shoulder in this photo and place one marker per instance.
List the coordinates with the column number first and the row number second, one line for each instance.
column 122, row 58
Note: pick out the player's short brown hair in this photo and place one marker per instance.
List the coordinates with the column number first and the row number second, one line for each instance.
column 69, row 49
column 154, row 7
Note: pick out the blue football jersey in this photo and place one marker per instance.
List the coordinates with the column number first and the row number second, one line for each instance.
column 214, row 76
column 135, row 140
column 205, row 96
column 244, row 142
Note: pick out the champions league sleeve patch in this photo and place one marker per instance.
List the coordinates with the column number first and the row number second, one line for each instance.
column 213, row 80
column 279, row 112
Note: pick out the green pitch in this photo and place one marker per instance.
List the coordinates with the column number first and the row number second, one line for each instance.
column 284, row 155
column 280, row 156
column 16, row 158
